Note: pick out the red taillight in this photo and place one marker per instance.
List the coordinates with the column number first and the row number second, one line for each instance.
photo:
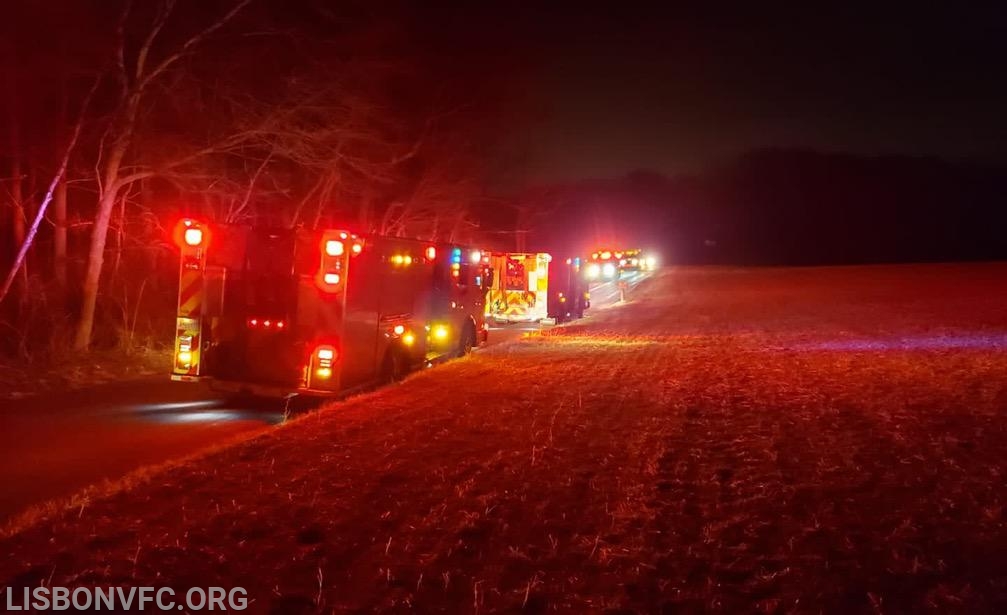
column 189, row 234
column 356, row 248
column 331, row 275
column 325, row 357
column 334, row 247
column 193, row 236
column 255, row 322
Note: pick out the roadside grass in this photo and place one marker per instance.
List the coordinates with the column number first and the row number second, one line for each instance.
column 769, row 440
column 74, row 371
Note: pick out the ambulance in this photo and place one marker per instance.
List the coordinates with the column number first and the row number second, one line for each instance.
column 519, row 285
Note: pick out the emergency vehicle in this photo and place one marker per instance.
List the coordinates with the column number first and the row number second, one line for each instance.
column 289, row 311
column 603, row 266
column 519, row 287
column 606, row 265
column 568, row 290
column 632, row 260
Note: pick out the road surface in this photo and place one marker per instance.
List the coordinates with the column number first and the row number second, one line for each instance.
column 52, row 446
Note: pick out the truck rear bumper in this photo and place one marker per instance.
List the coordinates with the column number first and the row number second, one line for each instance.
column 181, row 378
column 502, row 318
column 265, row 390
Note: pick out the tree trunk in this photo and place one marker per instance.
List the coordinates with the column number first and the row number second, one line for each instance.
column 111, row 187
column 59, row 235
column 95, row 260
column 18, row 211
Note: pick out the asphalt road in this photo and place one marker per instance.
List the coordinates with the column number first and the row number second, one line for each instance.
column 52, row 446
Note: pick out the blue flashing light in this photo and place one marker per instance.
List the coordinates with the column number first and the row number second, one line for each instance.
column 456, row 255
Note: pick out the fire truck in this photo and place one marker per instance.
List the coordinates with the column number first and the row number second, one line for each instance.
column 568, row 290
column 603, row 266
column 278, row 312
column 519, row 286
column 606, row 265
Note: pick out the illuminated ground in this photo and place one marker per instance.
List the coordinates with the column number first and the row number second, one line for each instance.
column 810, row 439
column 56, row 443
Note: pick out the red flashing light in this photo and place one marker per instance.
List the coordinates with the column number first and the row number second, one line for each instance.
column 325, row 357
column 255, row 322
column 331, row 278
column 190, row 234
column 356, row 248
column 334, row 247
column 193, row 236
column 431, row 253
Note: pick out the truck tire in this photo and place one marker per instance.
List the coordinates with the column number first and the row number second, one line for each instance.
column 468, row 340
column 393, row 368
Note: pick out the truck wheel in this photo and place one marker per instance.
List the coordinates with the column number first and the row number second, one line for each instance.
column 393, row 368
column 468, row 340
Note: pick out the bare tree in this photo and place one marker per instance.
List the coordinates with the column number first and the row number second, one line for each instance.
column 15, row 193
column 134, row 86
column 56, row 181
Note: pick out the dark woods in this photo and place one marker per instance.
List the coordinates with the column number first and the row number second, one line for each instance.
column 253, row 112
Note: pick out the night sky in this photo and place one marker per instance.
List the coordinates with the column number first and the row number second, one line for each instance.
column 674, row 90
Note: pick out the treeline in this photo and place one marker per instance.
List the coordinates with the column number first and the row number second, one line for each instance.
column 793, row 207
column 273, row 112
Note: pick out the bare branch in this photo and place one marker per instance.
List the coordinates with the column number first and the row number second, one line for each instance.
column 120, row 58
column 233, row 214
column 40, row 215
column 163, row 12
column 193, row 41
